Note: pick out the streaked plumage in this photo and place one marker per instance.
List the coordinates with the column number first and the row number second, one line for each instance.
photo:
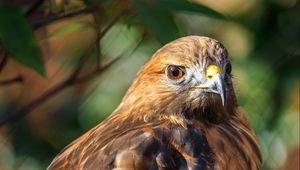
column 186, row 120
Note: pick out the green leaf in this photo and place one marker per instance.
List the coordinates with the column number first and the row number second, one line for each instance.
column 183, row 5
column 18, row 40
column 160, row 23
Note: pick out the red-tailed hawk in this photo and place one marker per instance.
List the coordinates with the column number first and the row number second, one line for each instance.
column 179, row 113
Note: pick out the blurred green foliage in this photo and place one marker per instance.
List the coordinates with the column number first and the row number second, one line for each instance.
column 17, row 38
column 262, row 38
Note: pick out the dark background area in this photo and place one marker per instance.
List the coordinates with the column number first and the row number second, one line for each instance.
column 65, row 65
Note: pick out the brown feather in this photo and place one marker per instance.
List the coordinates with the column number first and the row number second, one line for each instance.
column 161, row 125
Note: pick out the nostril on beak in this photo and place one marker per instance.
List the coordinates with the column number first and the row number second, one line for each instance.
column 212, row 70
column 209, row 76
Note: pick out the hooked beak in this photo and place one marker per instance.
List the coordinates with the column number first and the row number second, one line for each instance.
column 215, row 85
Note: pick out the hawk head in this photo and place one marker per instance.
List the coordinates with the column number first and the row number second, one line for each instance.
column 189, row 78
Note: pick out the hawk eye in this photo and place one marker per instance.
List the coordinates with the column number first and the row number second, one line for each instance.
column 175, row 72
column 228, row 68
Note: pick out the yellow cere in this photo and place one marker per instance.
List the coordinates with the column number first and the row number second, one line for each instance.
column 212, row 70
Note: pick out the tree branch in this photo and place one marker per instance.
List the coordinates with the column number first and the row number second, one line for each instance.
column 35, row 5
column 100, row 70
column 51, row 18
column 60, row 86
column 23, row 111
column 3, row 61
column 11, row 81
column 83, row 58
column 96, row 72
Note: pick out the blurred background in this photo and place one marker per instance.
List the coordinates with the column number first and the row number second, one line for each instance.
column 65, row 65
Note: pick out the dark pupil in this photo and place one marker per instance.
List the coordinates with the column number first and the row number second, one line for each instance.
column 174, row 71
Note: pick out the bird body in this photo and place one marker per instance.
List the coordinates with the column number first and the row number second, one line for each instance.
column 179, row 113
